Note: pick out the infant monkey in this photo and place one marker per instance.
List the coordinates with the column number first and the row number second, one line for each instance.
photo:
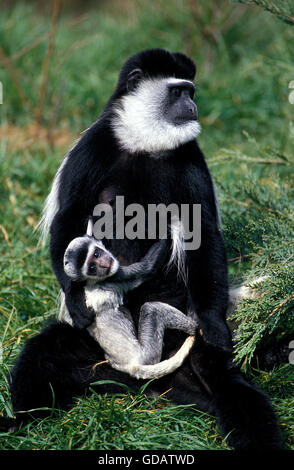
column 106, row 283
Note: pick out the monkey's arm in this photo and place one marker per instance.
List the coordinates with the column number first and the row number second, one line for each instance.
column 208, row 286
column 137, row 273
column 77, row 194
column 61, row 234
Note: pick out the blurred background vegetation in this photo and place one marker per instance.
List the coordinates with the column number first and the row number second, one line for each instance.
column 59, row 62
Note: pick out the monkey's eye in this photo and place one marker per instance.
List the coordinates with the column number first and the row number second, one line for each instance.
column 177, row 92
column 97, row 253
column 92, row 268
column 192, row 92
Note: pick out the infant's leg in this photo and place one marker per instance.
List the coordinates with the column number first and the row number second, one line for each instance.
column 115, row 332
column 155, row 317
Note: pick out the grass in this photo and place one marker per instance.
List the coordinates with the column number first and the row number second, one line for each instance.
column 245, row 63
column 124, row 421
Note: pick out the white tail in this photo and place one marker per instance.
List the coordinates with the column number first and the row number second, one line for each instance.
column 238, row 293
column 154, row 371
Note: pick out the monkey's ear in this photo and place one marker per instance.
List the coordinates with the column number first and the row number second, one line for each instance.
column 133, row 79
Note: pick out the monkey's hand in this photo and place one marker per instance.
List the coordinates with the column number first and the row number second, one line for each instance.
column 80, row 314
column 146, row 268
column 155, row 257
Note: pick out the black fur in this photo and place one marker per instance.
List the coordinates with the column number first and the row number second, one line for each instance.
column 63, row 356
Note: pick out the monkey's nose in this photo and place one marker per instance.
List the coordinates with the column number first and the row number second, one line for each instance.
column 105, row 262
column 194, row 111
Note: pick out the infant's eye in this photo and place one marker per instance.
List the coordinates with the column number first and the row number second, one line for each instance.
column 97, row 253
column 92, row 268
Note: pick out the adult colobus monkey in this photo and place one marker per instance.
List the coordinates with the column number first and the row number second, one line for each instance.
column 143, row 147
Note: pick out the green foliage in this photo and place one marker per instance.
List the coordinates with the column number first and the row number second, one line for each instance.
column 268, row 318
column 258, row 228
column 283, row 9
column 245, row 64
column 122, row 421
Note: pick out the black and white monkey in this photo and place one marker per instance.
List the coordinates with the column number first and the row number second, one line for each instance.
column 106, row 284
column 143, row 147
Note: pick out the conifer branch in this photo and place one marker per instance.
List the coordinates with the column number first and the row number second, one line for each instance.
column 283, row 9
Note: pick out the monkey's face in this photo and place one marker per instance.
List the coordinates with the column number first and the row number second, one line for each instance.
column 179, row 107
column 86, row 258
column 99, row 263
column 157, row 114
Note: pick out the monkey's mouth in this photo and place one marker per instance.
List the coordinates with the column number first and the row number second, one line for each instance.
column 179, row 121
column 107, row 268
